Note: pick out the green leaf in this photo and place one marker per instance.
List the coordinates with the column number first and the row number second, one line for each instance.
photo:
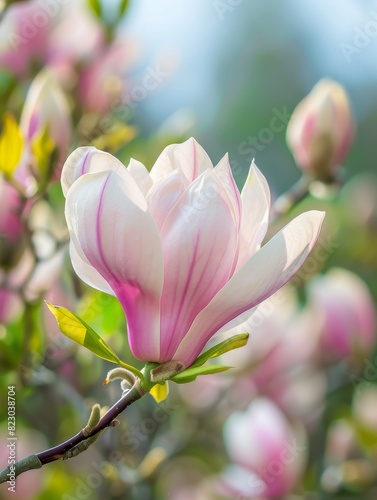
column 160, row 392
column 11, row 145
column 76, row 329
column 95, row 5
column 227, row 345
column 123, row 6
column 191, row 373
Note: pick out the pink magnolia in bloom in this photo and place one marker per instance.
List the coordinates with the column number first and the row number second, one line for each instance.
column 321, row 130
column 268, row 452
column 344, row 313
column 179, row 246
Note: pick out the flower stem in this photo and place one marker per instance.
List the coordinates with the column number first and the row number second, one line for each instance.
column 293, row 196
column 45, row 457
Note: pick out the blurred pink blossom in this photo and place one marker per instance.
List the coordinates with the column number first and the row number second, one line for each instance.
column 321, row 130
column 57, row 34
column 343, row 313
column 102, row 80
column 179, row 246
column 269, row 452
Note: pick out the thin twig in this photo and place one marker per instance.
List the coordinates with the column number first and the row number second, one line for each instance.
column 293, row 196
column 45, row 457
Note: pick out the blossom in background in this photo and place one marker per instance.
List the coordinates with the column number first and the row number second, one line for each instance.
column 47, row 33
column 179, row 246
column 47, row 107
column 344, row 314
column 29, row 279
column 71, row 41
column 321, row 130
column 268, row 452
column 102, row 81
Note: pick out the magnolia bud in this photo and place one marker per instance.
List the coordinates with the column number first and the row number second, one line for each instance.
column 321, row 130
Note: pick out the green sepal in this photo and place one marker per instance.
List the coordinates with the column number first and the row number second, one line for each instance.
column 191, row 373
column 146, row 382
column 227, row 345
column 76, row 329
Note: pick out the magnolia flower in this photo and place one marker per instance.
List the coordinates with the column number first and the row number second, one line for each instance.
column 321, row 130
column 179, row 246
column 268, row 452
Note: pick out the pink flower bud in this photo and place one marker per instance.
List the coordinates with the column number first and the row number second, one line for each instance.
column 47, row 106
column 179, row 246
column 344, row 313
column 321, row 130
column 268, row 452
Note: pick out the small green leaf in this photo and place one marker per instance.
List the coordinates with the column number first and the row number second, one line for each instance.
column 160, row 392
column 76, row 329
column 95, row 5
column 191, row 373
column 227, row 345
column 123, row 6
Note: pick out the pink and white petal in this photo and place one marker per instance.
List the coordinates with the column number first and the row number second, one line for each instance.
column 140, row 175
column 256, row 201
column 85, row 271
column 199, row 241
column 85, row 160
column 267, row 271
column 225, row 175
column 189, row 157
column 108, row 215
column 164, row 194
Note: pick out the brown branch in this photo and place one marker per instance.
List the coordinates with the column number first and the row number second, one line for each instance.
column 293, row 196
column 45, row 457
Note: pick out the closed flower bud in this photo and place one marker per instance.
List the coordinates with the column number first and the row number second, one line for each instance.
column 321, row 130
column 46, row 107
